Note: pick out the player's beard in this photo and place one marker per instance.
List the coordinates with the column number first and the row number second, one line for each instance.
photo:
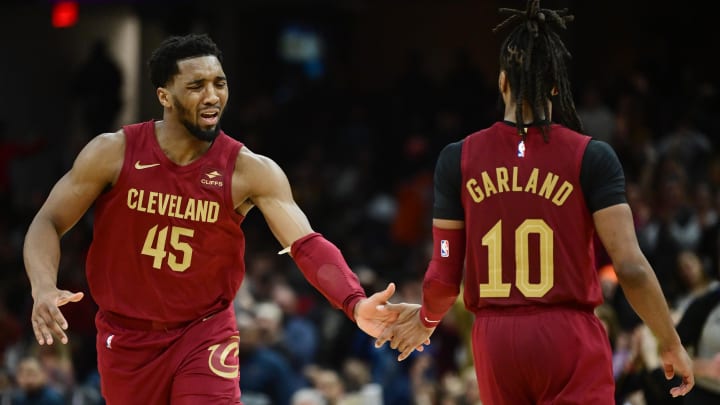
column 205, row 135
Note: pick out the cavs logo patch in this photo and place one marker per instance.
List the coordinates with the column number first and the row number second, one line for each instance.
column 223, row 359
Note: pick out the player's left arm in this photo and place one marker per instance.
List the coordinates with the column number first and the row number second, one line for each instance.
column 320, row 261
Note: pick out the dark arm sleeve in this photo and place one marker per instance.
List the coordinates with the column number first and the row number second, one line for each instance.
column 602, row 177
column 447, row 180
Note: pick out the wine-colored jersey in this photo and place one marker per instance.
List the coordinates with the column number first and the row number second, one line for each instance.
column 529, row 231
column 167, row 244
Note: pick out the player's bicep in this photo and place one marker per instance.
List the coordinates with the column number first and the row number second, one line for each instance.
column 273, row 196
column 615, row 228
column 94, row 169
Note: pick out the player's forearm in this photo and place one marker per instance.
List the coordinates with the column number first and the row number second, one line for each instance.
column 325, row 268
column 441, row 284
column 643, row 292
column 438, row 298
column 41, row 253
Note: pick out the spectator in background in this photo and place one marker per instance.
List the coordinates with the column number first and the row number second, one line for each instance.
column 687, row 145
column 699, row 329
column 597, row 117
column 633, row 141
column 267, row 375
column 300, row 336
column 695, row 280
column 307, row 396
column 6, row 386
column 98, row 86
column 707, row 203
column 11, row 148
column 10, row 330
column 34, row 389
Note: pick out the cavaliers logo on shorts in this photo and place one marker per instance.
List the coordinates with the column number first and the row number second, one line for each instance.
column 223, row 359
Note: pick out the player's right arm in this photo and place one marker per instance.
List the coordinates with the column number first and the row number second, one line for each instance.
column 95, row 168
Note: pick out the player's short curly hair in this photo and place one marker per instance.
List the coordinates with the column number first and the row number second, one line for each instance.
column 163, row 61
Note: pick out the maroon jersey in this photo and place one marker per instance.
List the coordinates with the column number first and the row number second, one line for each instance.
column 167, row 244
column 530, row 234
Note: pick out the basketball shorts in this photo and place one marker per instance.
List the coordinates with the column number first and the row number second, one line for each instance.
column 193, row 364
column 552, row 356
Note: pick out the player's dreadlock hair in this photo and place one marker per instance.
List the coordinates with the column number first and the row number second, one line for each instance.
column 163, row 61
column 534, row 59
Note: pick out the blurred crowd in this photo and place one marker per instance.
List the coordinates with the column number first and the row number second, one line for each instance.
column 360, row 162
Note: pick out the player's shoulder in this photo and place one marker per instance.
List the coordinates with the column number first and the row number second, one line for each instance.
column 253, row 163
column 102, row 157
column 562, row 130
column 107, row 144
column 600, row 149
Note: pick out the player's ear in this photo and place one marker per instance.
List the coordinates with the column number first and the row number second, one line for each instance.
column 163, row 96
column 502, row 81
column 554, row 91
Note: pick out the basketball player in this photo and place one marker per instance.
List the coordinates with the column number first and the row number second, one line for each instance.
column 167, row 256
column 517, row 205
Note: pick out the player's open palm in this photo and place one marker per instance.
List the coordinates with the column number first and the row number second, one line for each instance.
column 371, row 318
column 47, row 320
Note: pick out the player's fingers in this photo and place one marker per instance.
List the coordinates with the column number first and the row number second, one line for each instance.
column 391, row 307
column 681, row 389
column 384, row 336
column 388, row 292
column 67, row 297
column 38, row 332
column 394, row 342
column 669, row 371
column 405, row 354
column 57, row 318
column 55, row 323
column 42, row 332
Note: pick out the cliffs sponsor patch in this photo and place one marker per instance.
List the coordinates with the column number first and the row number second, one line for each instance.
column 211, row 178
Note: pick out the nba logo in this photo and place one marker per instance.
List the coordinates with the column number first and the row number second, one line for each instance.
column 444, row 248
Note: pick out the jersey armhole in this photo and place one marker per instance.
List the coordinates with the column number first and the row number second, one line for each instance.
column 236, row 147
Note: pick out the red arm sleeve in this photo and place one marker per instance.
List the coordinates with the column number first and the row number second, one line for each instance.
column 325, row 268
column 441, row 284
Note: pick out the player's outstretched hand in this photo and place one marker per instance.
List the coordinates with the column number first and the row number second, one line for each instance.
column 370, row 316
column 47, row 320
column 407, row 334
column 677, row 362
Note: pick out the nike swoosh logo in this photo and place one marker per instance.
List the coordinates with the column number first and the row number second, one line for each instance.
column 141, row 166
column 431, row 321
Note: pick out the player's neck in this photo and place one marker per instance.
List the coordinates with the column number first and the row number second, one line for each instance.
column 178, row 144
column 528, row 118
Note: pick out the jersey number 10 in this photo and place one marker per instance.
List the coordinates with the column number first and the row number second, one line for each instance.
column 495, row 288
